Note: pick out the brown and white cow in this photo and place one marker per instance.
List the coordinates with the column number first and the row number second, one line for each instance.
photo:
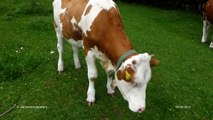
column 207, row 21
column 96, row 26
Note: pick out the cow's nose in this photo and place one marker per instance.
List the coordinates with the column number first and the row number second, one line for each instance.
column 140, row 110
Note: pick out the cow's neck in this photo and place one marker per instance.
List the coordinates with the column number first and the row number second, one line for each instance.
column 120, row 47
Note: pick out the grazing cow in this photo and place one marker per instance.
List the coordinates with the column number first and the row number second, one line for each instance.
column 207, row 21
column 96, row 26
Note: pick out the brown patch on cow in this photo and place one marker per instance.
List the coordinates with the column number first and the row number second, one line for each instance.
column 88, row 10
column 121, row 74
column 208, row 11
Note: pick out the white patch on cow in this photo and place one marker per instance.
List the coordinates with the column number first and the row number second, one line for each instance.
column 57, row 4
column 74, row 22
column 135, row 93
column 97, row 6
column 78, row 43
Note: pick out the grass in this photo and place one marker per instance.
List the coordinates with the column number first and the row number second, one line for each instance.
column 28, row 75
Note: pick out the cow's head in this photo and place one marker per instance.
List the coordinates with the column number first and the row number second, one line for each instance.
column 132, row 78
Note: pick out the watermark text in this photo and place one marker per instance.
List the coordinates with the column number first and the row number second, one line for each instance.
column 32, row 107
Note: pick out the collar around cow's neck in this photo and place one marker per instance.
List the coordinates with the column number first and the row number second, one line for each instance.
column 124, row 56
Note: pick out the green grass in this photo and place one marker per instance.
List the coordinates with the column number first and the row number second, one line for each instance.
column 28, row 76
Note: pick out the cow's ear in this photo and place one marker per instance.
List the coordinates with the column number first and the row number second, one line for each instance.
column 154, row 62
column 119, row 75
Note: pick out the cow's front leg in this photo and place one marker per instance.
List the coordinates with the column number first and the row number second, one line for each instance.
column 92, row 75
column 110, row 90
column 60, row 52
column 109, row 69
column 75, row 57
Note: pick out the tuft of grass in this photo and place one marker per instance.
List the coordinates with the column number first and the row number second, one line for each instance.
column 180, row 87
column 40, row 24
column 20, row 64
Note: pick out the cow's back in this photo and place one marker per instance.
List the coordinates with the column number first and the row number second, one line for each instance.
column 208, row 11
column 74, row 18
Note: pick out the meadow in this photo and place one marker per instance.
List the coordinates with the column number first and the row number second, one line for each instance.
column 180, row 88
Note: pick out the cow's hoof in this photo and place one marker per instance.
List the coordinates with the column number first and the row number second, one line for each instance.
column 211, row 45
column 111, row 94
column 90, row 103
column 110, row 91
column 77, row 67
column 60, row 72
column 203, row 40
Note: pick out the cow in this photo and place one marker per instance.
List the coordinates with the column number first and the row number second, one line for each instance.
column 207, row 21
column 96, row 26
